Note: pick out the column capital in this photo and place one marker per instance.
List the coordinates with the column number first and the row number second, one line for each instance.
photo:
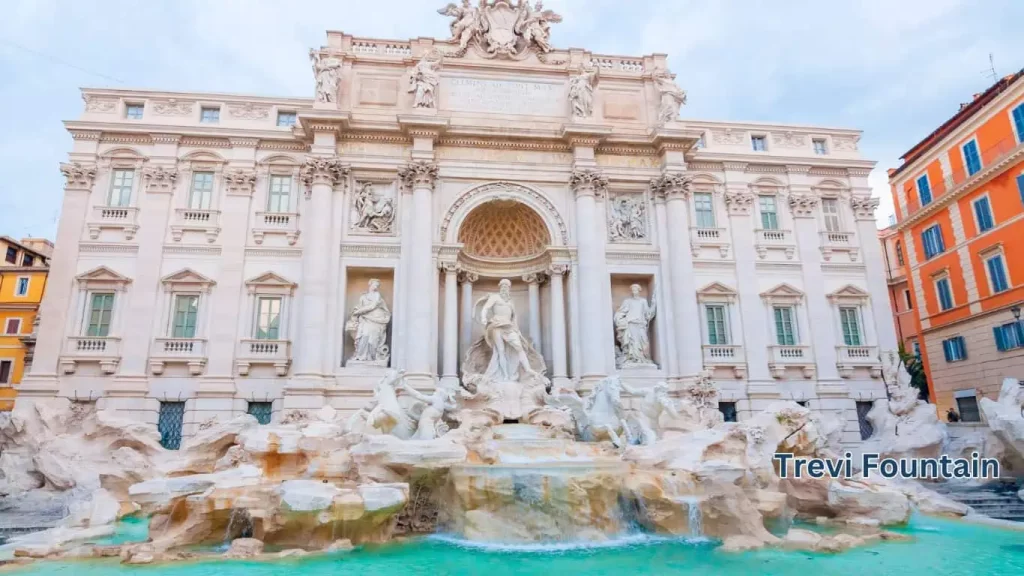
column 864, row 207
column 450, row 267
column 468, row 277
column 557, row 269
column 160, row 179
column 240, row 182
column 672, row 185
column 418, row 174
column 739, row 202
column 323, row 170
column 533, row 277
column 803, row 205
column 588, row 182
column 78, row 177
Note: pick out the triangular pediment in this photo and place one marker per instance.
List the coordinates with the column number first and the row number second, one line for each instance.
column 102, row 274
column 270, row 279
column 849, row 291
column 783, row 290
column 716, row 289
column 187, row 276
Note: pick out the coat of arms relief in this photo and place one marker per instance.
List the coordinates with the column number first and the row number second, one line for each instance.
column 499, row 28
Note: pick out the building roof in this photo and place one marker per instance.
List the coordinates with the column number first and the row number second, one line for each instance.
column 966, row 111
column 10, row 240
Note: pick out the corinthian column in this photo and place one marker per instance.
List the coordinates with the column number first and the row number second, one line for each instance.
column 451, row 324
column 466, row 329
column 57, row 305
column 533, row 287
column 588, row 185
column 320, row 175
column 419, row 177
column 558, row 344
column 674, row 187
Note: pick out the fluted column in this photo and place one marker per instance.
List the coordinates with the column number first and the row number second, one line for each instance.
column 558, row 344
column 449, row 368
column 675, row 188
column 58, row 302
column 466, row 330
column 419, row 177
column 665, row 316
column 588, row 185
column 533, row 289
column 320, row 175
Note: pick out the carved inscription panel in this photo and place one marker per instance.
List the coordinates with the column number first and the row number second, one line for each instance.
column 503, row 96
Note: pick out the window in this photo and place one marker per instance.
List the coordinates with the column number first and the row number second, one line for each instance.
column 849, row 317
column 819, row 146
column 910, row 301
column 983, row 214
column 263, row 411
column 718, row 332
column 701, row 142
column 899, row 253
column 268, row 318
column 6, row 367
column 1018, row 122
column 202, row 191
column 945, row 293
column 705, row 210
column 759, row 143
column 286, row 118
column 769, row 212
column 1020, row 187
column 997, row 274
column 101, row 307
column 916, row 347
column 133, row 111
column 28, row 260
column 954, row 349
column 169, row 422
column 12, row 255
column 1009, row 336
column 728, row 410
column 21, row 289
column 186, row 311
column 121, row 188
column 830, row 208
column 932, row 241
column 967, row 406
column 13, row 326
column 866, row 429
column 972, row 160
column 280, row 191
column 209, row 115
column 924, row 190
column 785, row 329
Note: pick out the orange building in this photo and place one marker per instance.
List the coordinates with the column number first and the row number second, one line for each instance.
column 900, row 299
column 23, row 270
column 959, row 198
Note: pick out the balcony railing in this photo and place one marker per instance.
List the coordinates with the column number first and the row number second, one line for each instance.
column 114, row 218
column 850, row 357
column 188, row 219
column 781, row 356
column 959, row 176
column 191, row 351
column 286, row 223
column 838, row 242
column 726, row 355
column 771, row 239
column 277, row 353
column 709, row 237
column 104, row 350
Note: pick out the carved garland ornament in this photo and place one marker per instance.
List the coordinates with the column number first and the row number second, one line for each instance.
column 505, row 191
column 419, row 174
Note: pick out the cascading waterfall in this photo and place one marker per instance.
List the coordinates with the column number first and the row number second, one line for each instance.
column 694, row 517
column 241, row 521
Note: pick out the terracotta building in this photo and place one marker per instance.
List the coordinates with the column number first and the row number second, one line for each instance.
column 895, row 257
column 23, row 270
column 959, row 197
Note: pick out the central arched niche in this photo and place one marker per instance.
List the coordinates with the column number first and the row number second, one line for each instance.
column 504, row 230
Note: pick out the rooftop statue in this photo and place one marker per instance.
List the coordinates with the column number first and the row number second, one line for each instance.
column 500, row 28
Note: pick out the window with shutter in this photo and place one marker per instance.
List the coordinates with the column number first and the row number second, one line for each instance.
column 972, row 160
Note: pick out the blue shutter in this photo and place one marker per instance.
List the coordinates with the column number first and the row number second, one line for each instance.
column 1020, row 184
column 946, row 345
column 983, row 212
column 1018, row 120
column 940, row 245
column 1000, row 338
column 971, row 157
column 924, row 190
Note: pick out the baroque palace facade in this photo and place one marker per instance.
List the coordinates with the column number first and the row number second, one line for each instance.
column 219, row 254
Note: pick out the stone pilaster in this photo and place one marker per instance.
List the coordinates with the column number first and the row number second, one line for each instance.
column 588, row 185
column 559, row 365
column 867, row 230
column 450, row 349
column 665, row 316
column 466, row 329
column 420, row 177
column 533, row 287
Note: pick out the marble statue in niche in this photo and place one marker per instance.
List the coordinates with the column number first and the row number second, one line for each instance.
column 327, row 72
column 631, row 330
column 628, row 219
column 373, row 212
column 672, row 96
column 581, row 91
column 368, row 327
column 423, row 80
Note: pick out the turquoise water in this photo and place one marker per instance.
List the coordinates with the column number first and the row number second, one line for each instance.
column 941, row 548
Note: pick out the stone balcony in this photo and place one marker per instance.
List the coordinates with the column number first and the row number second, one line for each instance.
column 782, row 357
column 774, row 240
column 832, row 242
column 848, row 358
column 189, row 351
column 124, row 218
column 206, row 222
column 283, row 223
column 726, row 356
column 276, row 353
column 717, row 238
column 105, row 351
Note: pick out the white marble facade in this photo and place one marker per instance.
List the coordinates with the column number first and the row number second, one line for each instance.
column 210, row 252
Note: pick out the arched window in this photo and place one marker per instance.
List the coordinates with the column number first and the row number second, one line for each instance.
column 899, row 252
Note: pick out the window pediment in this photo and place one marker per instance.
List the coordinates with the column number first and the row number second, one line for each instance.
column 185, row 280
column 849, row 293
column 270, row 283
column 716, row 292
column 102, row 278
column 783, row 294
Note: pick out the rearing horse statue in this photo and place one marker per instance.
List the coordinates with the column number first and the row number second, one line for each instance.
column 600, row 415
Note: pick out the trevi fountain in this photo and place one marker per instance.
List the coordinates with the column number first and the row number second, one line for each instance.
column 597, row 445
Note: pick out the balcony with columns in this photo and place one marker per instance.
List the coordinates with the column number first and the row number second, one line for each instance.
column 849, row 358
column 726, row 356
column 205, row 222
column 104, row 351
column 782, row 357
column 276, row 223
column 767, row 241
column 275, row 353
column 118, row 218
column 839, row 242
column 188, row 351
column 714, row 238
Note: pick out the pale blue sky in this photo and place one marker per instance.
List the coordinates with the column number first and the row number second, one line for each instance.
column 893, row 68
